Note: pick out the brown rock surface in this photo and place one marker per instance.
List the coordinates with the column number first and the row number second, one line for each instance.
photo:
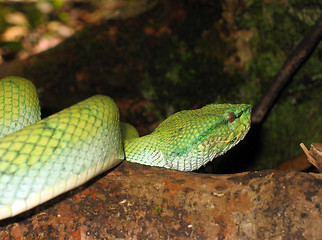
column 139, row 202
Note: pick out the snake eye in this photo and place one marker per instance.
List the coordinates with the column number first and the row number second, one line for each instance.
column 231, row 117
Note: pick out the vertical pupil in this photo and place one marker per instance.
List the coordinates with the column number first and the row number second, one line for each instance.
column 231, row 117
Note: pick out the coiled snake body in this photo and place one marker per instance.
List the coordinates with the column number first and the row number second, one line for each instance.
column 41, row 159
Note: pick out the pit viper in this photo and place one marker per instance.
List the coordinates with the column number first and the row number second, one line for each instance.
column 41, row 159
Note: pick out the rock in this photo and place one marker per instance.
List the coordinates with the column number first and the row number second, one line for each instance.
column 134, row 201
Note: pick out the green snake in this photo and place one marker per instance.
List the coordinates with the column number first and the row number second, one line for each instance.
column 41, row 159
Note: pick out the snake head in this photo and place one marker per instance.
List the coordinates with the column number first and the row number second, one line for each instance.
column 189, row 139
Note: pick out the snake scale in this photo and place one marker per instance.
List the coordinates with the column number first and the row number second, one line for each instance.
column 41, row 159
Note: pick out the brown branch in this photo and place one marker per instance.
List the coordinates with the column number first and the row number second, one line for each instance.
column 139, row 202
column 292, row 64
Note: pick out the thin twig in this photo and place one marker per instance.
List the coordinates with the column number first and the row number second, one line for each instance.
column 308, row 155
column 292, row 64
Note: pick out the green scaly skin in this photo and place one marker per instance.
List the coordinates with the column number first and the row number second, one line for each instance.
column 19, row 105
column 189, row 139
column 63, row 151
